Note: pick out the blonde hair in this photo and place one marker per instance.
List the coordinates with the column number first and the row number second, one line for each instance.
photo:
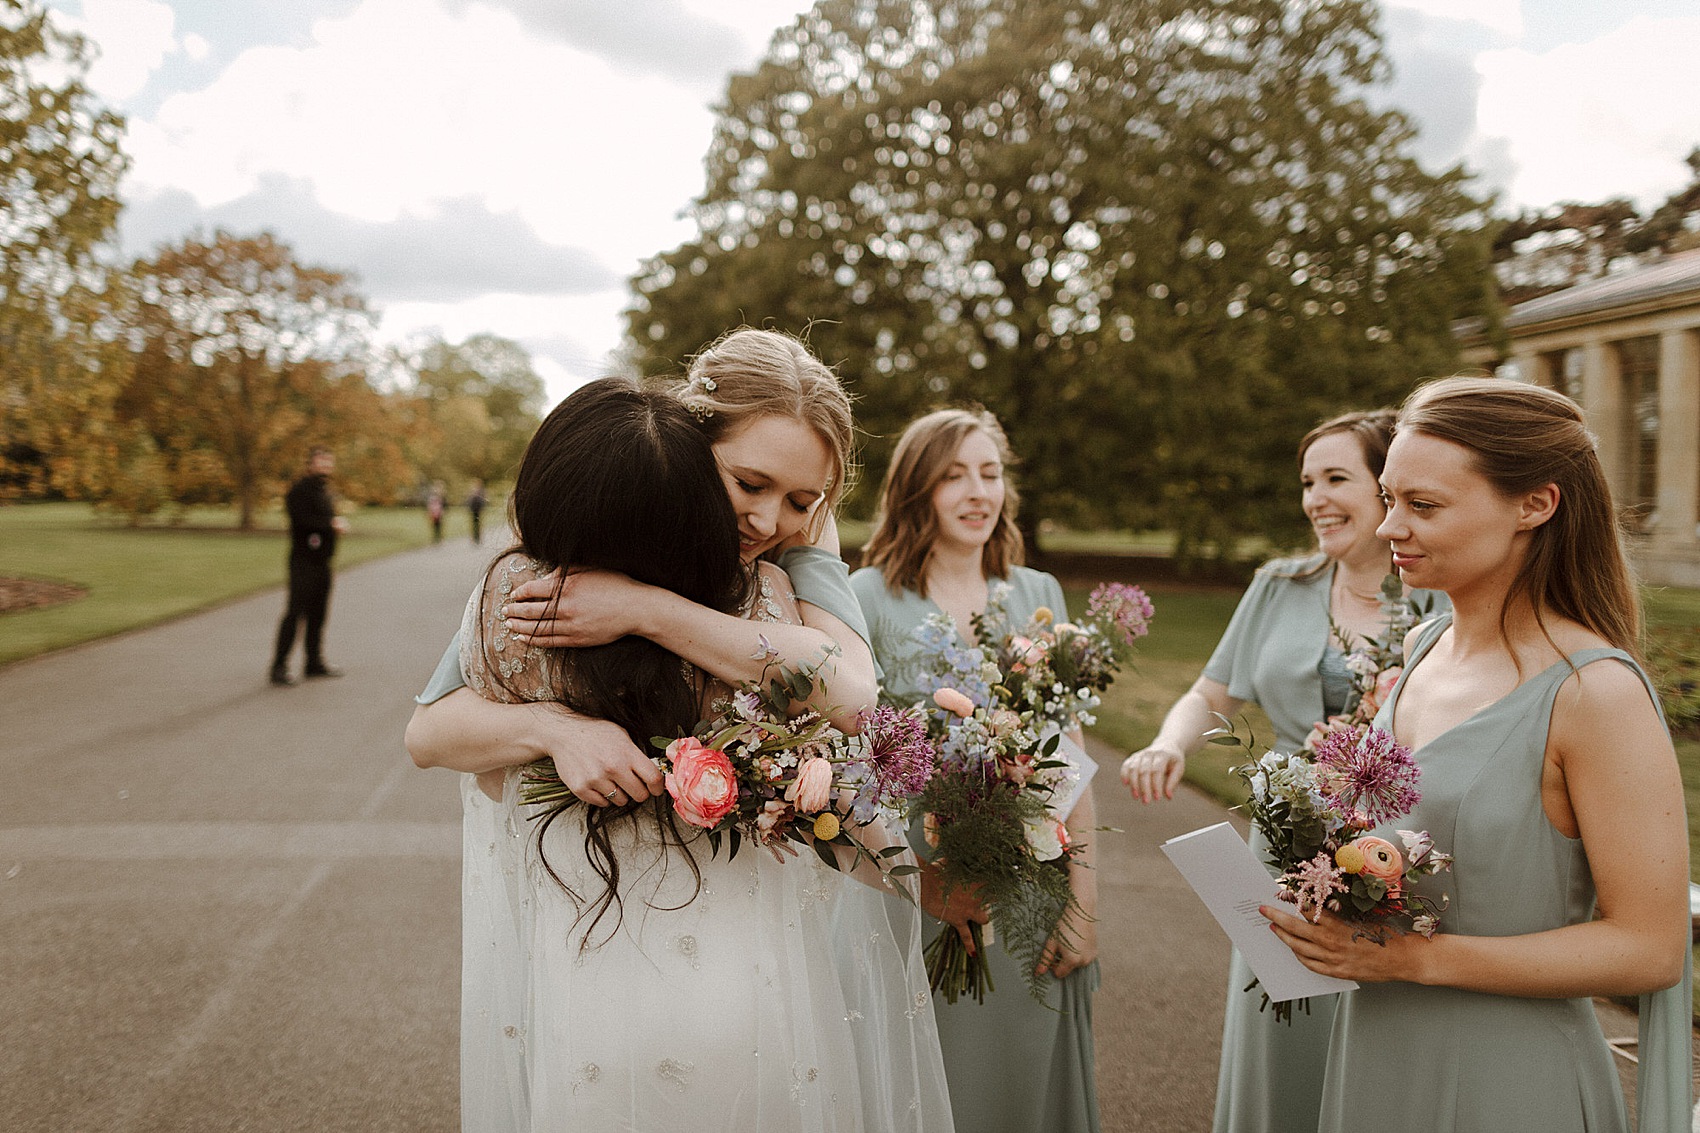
column 747, row 374
column 906, row 527
column 1521, row 437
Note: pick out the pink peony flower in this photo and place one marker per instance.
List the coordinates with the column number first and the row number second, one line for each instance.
column 1377, row 696
column 811, row 790
column 1017, row 767
column 702, row 783
column 1003, row 722
column 1026, row 651
column 954, row 702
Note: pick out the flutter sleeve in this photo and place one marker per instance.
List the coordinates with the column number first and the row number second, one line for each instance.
column 447, row 677
column 1234, row 662
column 822, row 579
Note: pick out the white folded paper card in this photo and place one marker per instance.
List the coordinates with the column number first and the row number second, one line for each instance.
column 1226, row 874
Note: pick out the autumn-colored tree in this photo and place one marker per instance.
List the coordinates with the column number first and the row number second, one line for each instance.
column 1159, row 240
column 60, row 164
column 240, row 353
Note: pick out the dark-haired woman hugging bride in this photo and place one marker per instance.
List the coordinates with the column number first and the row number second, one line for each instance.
column 617, row 973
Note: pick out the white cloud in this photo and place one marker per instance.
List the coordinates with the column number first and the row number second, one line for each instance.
column 196, row 47
column 1504, row 16
column 1587, row 121
column 400, row 105
column 132, row 37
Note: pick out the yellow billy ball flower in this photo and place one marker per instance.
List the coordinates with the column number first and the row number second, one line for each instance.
column 1349, row 858
column 1043, row 615
column 826, row 826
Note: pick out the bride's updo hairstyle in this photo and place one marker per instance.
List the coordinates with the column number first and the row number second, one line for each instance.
column 748, row 374
column 620, row 478
column 1521, row 437
column 907, row 525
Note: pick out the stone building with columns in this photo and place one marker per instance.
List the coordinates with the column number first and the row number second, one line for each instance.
column 1627, row 348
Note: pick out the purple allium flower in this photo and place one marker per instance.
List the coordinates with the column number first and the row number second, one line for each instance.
column 1373, row 774
column 1313, row 882
column 1126, row 607
column 899, row 752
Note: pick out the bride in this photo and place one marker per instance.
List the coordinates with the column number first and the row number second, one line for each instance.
column 617, row 975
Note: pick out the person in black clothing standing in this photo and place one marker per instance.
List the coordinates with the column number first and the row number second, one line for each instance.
column 313, row 528
column 475, row 504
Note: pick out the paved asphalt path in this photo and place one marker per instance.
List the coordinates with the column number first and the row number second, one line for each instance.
column 227, row 906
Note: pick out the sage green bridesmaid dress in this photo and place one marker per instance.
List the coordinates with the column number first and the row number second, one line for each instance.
column 1411, row 1059
column 1013, row 1064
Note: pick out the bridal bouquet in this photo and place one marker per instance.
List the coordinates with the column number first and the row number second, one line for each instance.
column 1315, row 811
column 994, row 811
column 1375, row 663
column 755, row 773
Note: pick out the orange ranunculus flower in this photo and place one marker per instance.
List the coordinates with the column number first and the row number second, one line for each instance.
column 955, row 702
column 1381, row 859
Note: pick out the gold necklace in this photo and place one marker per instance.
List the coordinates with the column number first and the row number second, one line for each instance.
column 1340, row 584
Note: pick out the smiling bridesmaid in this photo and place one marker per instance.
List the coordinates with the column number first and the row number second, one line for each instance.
column 1547, row 773
column 946, row 542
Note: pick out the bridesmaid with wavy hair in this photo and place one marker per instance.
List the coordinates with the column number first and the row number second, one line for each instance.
column 1546, row 771
column 946, row 542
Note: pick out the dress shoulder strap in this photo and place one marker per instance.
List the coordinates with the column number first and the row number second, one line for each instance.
column 1424, row 636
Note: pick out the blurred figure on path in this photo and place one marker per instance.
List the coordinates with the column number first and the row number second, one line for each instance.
column 313, row 528
column 434, row 503
column 475, row 504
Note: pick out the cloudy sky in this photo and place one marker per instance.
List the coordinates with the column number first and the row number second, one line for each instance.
column 504, row 165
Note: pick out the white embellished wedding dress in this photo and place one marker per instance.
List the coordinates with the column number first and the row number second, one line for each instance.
column 776, row 997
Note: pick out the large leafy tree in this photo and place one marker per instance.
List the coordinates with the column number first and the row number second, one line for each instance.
column 243, row 358
column 1159, row 239
column 60, row 164
column 485, row 399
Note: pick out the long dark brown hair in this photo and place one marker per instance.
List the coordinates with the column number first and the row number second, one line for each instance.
column 620, row 478
column 1521, row 437
column 907, row 526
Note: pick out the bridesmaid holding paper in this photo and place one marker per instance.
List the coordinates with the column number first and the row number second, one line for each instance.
column 1280, row 653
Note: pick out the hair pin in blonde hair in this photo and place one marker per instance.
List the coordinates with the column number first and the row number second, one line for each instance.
column 700, row 411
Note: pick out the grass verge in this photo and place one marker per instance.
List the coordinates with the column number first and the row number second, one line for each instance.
column 140, row 576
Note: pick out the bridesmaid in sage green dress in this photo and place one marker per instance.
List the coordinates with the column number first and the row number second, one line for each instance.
column 1279, row 654
column 1548, row 774
column 946, row 542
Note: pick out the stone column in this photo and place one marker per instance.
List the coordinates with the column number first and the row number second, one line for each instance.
column 1602, row 401
column 1534, row 369
column 1673, row 553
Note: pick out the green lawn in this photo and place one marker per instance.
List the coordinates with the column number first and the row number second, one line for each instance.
column 138, row 576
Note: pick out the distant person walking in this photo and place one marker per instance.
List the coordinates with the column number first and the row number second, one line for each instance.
column 434, row 503
column 475, row 504
column 313, row 528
